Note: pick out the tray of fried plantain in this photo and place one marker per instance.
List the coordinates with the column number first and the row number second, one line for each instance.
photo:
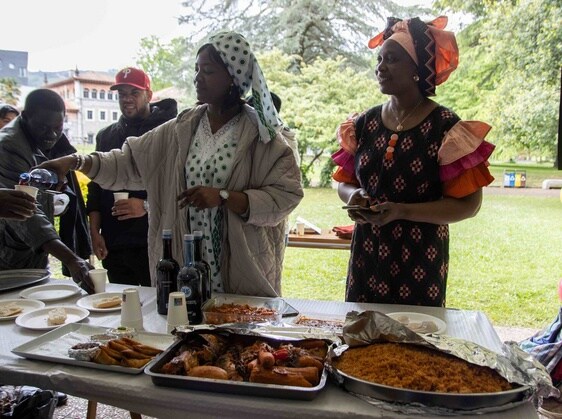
column 120, row 356
column 246, row 364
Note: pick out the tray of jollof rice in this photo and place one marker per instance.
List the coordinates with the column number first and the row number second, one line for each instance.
column 404, row 373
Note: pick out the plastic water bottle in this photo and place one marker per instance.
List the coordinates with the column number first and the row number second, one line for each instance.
column 40, row 178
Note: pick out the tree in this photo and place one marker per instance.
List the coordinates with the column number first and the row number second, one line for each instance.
column 308, row 29
column 475, row 7
column 316, row 100
column 9, row 91
column 509, row 74
column 166, row 63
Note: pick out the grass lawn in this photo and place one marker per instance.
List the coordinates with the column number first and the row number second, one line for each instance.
column 505, row 261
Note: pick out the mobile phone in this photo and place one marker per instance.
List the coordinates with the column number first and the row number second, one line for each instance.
column 360, row 208
column 354, row 207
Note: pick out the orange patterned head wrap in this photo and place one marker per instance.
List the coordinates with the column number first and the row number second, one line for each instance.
column 433, row 49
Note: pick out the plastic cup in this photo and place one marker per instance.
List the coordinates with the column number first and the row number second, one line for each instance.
column 177, row 311
column 300, row 229
column 131, row 312
column 118, row 196
column 99, row 279
column 30, row 190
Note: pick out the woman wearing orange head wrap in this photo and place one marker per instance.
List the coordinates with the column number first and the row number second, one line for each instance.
column 414, row 165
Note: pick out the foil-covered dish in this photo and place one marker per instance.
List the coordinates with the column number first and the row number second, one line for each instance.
column 244, row 359
column 390, row 366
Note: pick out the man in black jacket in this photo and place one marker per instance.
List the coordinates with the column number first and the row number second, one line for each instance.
column 35, row 137
column 119, row 229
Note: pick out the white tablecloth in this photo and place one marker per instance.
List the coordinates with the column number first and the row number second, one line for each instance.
column 137, row 392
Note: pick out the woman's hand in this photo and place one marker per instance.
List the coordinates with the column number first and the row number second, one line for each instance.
column 379, row 214
column 200, row 197
column 359, row 197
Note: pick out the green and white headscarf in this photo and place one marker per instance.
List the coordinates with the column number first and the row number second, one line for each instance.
column 246, row 72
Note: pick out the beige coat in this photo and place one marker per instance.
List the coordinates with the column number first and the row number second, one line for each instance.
column 253, row 246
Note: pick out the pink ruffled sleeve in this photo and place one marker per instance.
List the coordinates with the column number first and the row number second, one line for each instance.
column 344, row 157
column 463, row 159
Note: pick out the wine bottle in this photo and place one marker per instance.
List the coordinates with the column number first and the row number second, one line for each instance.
column 166, row 273
column 202, row 265
column 40, row 178
column 190, row 282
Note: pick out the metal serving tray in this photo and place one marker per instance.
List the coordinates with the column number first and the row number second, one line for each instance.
column 457, row 401
column 17, row 278
column 53, row 346
column 223, row 386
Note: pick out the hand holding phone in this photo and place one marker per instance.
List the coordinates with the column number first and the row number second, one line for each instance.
column 360, row 208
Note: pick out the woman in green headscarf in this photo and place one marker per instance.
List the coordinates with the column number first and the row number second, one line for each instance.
column 220, row 167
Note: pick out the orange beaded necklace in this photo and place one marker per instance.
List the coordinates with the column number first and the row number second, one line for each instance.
column 394, row 137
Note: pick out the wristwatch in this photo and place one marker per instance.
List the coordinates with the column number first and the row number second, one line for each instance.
column 224, row 194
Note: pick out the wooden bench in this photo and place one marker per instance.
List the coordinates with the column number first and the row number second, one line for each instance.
column 552, row 183
column 326, row 240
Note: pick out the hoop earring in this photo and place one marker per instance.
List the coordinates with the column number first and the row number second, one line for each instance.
column 416, row 78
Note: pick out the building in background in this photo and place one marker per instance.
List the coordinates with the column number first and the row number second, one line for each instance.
column 13, row 64
column 90, row 105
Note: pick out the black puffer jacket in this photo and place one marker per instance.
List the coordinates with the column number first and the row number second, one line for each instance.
column 133, row 232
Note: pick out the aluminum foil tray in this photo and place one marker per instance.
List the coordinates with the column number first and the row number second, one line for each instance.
column 223, row 386
column 457, row 401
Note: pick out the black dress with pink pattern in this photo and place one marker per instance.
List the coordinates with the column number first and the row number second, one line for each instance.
column 402, row 262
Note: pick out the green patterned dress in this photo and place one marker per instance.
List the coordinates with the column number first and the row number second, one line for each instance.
column 209, row 163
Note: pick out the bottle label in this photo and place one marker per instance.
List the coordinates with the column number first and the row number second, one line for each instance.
column 187, row 291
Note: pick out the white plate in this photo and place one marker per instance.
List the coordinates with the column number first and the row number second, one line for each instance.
column 51, row 292
column 37, row 319
column 415, row 319
column 26, row 305
column 88, row 301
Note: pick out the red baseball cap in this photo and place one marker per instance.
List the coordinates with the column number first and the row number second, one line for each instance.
column 132, row 77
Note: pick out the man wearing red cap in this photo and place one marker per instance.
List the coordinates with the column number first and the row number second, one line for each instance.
column 119, row 229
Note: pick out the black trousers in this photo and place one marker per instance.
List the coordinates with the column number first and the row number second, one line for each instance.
column 128, row 266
